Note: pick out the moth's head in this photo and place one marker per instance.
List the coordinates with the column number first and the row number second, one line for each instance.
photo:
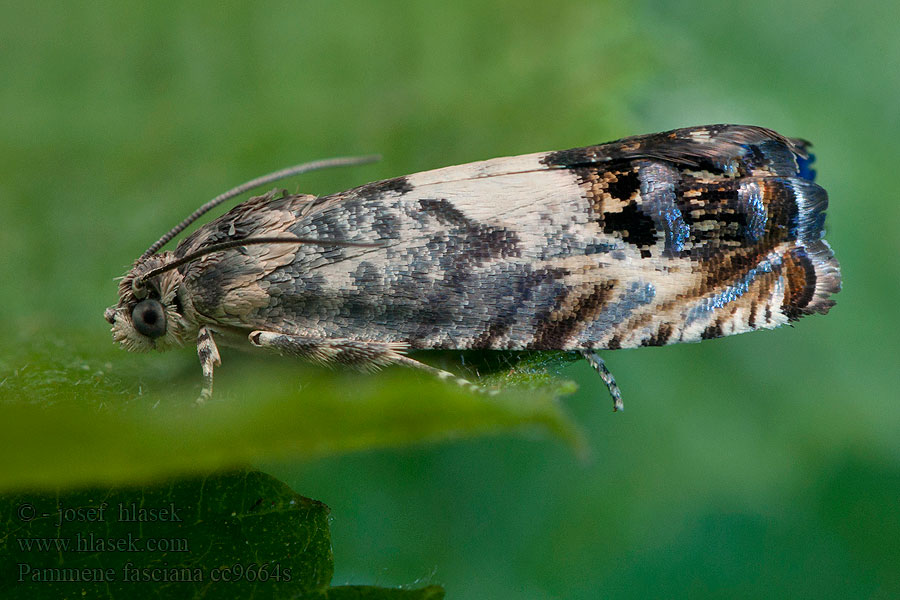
column 150, row 313
column 151, row 309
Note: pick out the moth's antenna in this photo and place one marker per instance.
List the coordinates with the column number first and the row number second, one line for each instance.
column 343, row 161
column 139, row 281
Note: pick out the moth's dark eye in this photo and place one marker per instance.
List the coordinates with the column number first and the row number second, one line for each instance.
column 149, row 318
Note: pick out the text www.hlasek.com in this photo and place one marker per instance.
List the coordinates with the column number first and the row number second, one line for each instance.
column 92, row 543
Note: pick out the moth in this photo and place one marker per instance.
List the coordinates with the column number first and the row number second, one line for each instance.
column 670, row 237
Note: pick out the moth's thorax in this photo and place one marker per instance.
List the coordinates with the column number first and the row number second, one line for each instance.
column 180, row 321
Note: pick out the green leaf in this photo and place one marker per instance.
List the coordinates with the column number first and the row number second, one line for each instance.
column 71, row 416
column 365, row 592
column 162, row 541
column 232, row 535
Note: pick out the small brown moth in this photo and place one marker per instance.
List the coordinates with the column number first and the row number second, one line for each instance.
column 656, row 239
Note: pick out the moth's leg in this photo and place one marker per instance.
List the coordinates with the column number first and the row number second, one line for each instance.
column 365, row 355
column 607, row 377
column 209, row 358
column 362, row 354
column 445, row 375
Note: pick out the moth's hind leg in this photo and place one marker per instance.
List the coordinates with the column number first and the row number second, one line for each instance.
column 441, row 374
column 361, row 354
column 607, row 377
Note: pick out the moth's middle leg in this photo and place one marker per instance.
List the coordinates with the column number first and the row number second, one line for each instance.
column 362, row 354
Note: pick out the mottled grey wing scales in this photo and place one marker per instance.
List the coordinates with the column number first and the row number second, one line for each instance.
column 649, row 240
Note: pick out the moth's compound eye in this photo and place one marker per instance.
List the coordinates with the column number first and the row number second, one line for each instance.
column 149, row 318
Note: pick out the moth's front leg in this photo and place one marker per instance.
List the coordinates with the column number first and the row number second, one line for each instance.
column 209, row 358
column 362, row 354
column 607, row 377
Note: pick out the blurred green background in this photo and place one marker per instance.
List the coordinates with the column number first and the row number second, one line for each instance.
column 763, row 465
